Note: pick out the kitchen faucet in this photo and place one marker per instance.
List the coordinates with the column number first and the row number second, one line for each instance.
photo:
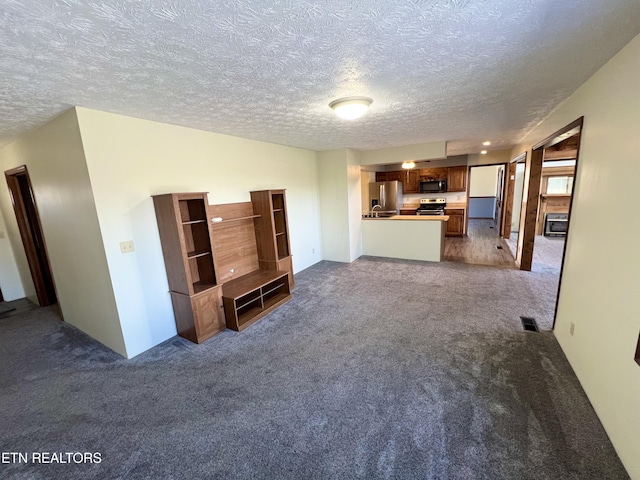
column 374, row 207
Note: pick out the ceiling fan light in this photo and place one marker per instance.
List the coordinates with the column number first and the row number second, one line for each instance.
column 350, row 108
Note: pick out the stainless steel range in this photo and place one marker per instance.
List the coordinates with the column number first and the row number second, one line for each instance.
column 431, row 206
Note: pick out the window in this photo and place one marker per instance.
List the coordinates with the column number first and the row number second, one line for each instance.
column 560, row 185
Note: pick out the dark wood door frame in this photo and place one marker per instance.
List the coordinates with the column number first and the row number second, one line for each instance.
column 24, row 205
column 509, row 194
column 533, row 194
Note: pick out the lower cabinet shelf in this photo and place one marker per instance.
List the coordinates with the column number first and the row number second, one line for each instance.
column 250, row 297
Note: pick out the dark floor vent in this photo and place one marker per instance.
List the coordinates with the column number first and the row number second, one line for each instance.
column 499, row 247
column 529, row 323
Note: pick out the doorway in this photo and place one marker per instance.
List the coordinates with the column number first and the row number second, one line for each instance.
column 485, row 191
column 24, row 205
column 531, row 223
column 513, row 202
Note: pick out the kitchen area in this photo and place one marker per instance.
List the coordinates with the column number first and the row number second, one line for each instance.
column 408, row 210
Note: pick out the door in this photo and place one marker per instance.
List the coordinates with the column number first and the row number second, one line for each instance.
column 24, row 205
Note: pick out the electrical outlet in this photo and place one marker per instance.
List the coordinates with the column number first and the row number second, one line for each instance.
column 126, row 247
column 313, row 250
column 1, row 234
column 572, row 328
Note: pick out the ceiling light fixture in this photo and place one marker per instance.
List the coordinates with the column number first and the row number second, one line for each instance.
column 350, row 108
column 409, row 165
column 487, row 143
column 483, row 152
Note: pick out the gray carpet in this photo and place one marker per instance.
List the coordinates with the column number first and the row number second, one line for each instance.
column 376, row 369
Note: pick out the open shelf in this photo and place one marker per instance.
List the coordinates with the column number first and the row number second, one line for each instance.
column 197, row 254
column 192, row 210
column 250, row 297
column 200, row 287
column 237, row 219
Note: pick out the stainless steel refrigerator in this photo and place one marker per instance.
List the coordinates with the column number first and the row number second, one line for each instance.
column 386, row 194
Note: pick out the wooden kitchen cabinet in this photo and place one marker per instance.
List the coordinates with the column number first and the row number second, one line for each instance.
column 455, row 225
column 457, row 179
column 395, row 176
column 411, row 181
column 436, row 173
column 407, row 211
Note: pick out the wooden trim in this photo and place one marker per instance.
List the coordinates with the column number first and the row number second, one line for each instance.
column 485, row 196
column 528, row 227
column 510, row 187
column 558, row 171
column 564, row 250
column 34, row 245
column 560, row 155
column 552, row 139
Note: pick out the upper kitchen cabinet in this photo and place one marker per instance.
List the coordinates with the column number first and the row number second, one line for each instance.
column 457, row 179
column 436, row 173
column 389, row 176
column 395, row 176
column 411, row 181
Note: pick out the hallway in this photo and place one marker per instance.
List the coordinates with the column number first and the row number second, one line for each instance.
column 482, row 246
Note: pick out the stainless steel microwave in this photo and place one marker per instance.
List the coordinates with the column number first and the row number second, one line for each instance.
column 433, row 186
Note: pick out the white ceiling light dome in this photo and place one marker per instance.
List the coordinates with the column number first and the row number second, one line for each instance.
column 350, row 108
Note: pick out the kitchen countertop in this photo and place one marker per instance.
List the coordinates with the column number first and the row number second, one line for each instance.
column 442, row 218
column 456, row 205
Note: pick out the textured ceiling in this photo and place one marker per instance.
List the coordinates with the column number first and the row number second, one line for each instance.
column 456, row 70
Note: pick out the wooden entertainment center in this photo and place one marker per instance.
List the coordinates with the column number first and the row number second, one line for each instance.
column 227, row 265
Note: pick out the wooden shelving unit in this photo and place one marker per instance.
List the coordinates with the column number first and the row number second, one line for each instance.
column 186, row 246
column 235, row 256
column 272, row 231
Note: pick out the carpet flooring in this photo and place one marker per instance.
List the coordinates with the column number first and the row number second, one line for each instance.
column 375, row 369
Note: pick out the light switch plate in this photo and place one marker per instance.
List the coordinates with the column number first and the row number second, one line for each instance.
column 1, row 234
column 126, row 247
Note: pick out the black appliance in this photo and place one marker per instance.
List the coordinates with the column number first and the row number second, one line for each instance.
column 433, row 186
column 555, row 224
column 431, row 206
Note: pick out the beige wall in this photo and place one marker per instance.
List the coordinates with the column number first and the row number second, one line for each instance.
column 484, row 181
column 421, row 151
column 55, row 160
column 129, row 160
column 491, row 158
column 355, row 204
column 10, row 281
column 599, row 293
column 334, row 205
